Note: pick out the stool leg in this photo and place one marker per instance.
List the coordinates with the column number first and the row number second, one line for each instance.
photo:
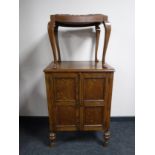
column 97, row 41
column 107, row 27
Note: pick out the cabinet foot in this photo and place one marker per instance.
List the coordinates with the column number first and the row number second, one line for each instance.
column 106, row 137
column 52, row 138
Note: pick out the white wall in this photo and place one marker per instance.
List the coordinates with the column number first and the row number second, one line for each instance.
column 36, row 53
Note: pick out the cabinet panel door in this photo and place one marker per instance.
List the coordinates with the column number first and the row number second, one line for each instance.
column 65, row 89
column 94, row 87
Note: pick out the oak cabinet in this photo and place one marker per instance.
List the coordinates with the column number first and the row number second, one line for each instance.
column 79, row 99
column 79, row 93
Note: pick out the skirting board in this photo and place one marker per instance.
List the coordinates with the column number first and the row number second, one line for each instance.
column 113, row 119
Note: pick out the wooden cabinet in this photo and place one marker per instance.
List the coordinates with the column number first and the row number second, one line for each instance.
column 78, row 93
column 79, row 99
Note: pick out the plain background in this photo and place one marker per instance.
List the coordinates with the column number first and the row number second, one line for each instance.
column 35, row 50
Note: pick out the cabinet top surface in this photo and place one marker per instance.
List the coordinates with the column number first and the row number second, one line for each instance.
column 78, row 66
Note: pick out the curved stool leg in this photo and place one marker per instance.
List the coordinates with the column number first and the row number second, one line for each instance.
column 51, row 33
column 57, row 43
column 107, row 27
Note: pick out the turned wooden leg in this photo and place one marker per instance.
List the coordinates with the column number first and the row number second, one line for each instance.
column 52, row 138
column 106, row 137
column 97, row 41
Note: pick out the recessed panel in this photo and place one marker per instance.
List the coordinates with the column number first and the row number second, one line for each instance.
column 93, row 115
column 66, row 115
column 94, row 88
column 65, row 89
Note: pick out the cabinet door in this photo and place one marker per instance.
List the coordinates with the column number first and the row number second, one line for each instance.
column 94, row 87
column 65, row 101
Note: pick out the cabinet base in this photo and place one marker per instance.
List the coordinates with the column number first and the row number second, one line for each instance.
column 106, row 137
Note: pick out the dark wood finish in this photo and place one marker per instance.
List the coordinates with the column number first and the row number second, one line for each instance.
column 79, row 97
column 97, row 41
column 93, row 97
column 78, row 92
column 78, row 21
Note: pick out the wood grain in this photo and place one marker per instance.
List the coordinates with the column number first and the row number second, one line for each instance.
column 79, row 99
